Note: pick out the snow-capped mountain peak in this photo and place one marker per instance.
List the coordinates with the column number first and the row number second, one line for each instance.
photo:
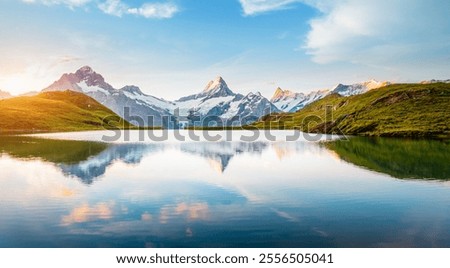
column 216, row 100
column 87, row 81
column 92, row 78
column 287, row 100
column 86, row 70
column 219, row 101
column 281, row 94
column 254, row 95
column 83, row 80
column 133, row 90
column 215, row 84
column 359, row 88
column 216, row 88
column 373, row 84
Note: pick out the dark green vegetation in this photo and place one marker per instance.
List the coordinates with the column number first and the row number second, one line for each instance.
column 55, row 151
column 56, row 112
column 402, row 110
column 400, row 158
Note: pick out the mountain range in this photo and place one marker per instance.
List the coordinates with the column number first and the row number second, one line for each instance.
column 90, row 83
column 56, row 112
column 215, row 105
column 88, row 161
column 217, row 102
column 402, row 110
column 290, row 102
column 85, row 101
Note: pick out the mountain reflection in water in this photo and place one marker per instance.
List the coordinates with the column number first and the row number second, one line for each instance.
column 357, row 193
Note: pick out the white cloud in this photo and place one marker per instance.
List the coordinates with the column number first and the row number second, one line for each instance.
column 147, row 10
column 370, row 31
column 155, row 10
column 254, row 7
column 69, row 3
column 159, row 10
column 113, row 7
column 378, row 31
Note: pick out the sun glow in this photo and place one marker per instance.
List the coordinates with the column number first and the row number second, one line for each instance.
column 23, row 78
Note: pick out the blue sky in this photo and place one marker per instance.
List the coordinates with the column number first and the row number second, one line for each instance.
column 171, row 48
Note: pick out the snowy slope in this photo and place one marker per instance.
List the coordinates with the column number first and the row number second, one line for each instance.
column 359, row 88
column 310, row 98
column 87, row 81
column 217, row 102
column 289, row 102
column 286, row 100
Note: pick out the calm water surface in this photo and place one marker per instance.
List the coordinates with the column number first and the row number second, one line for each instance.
column 357, row 193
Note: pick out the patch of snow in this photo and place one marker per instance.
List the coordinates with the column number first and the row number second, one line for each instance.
column 91, row 89
column 150, row 100
column 201, row 106
column 232, row 110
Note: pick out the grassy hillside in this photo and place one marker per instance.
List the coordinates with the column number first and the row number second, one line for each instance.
column 56, row 112
column 400, row 158
column 404, row 110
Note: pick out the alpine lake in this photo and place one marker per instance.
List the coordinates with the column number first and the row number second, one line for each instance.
column 76, row 190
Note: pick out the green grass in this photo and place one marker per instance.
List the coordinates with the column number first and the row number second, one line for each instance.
column 56, row 112
column 402, row 110
column 400, row 158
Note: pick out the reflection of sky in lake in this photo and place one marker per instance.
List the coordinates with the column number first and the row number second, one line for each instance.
column 225, row 194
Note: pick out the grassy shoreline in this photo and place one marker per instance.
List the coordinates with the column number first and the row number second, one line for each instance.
column 64, row 111
column 400, row 110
